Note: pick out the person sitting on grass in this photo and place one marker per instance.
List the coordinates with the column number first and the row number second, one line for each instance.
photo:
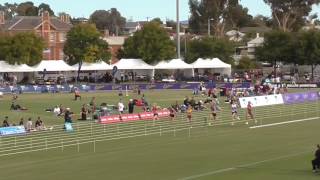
column 5, row 122
column 56, row 111
column 17, row 107
column 21, row 123
column 38, row 124
column 29, row 125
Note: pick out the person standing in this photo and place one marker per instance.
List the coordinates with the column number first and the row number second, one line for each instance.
column 29, row 125
column 131, row 106
column 77, row 94
column 316, row 161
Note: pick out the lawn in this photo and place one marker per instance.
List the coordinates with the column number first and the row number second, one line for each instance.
column 164, row 150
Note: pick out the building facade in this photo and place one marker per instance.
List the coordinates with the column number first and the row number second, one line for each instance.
column 52, row 29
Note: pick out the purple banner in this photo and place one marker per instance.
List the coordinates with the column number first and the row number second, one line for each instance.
column 300, row 97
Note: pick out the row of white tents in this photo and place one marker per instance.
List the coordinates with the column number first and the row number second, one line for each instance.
column 123, row 64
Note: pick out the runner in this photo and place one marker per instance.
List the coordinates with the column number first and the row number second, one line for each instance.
column 77, row 94
column 189, row 113
column 250, row 113
column 155, row 113
column 214, row 109
column 234, row 111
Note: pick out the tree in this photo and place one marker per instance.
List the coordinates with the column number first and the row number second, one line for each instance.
column 290, row 14
column 278, row 46
column 246, row 63
column 85, row 45
column 151, row 43
column 309, row 49
column 27, row 9
column 9, row 9
column 21, row 48
column 110, row 20
column 221, row 14
column 46, row 7
column 210, row 47
column 158, row 20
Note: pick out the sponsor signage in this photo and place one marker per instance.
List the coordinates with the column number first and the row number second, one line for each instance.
column 132, row 117
column 300, row 97
column 12, row 130
column 261, row 100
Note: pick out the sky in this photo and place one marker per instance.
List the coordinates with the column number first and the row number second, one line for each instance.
column 138, row 10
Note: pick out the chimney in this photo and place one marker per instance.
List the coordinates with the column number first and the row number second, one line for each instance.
column 65, row 18
column 258, row 35
column 2, row 20
column 45, row 16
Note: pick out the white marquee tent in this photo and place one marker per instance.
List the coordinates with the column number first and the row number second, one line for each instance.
column 137, row 66
column 53, row 65
column 176, row 64
column 132, row 64
column 97, row 66
column 173, row 64
column 5, row 67
column 215, row 64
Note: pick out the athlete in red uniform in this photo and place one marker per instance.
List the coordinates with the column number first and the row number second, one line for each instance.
column 250, row 112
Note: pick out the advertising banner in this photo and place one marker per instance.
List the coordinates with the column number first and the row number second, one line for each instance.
column 261, row 100
column 300, row 97
column 12, row 130
column 132, row 117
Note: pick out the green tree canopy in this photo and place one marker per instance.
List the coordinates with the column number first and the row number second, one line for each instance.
column 152, row 43
column 278, row 46
column 27, row 9
column 85, row 45
column 309, row 48
column 221, row 14
column 110, row 20
column 290, row 14
column 21, row 48
column 210, row 47
column 246, row 63
column 46, row 7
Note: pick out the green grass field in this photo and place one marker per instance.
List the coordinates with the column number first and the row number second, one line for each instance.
column 164, row 150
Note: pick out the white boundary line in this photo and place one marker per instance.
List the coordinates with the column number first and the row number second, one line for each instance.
column 285, row 122
column 240, row 166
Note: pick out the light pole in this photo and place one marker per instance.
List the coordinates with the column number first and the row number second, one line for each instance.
column 178, row 30
column 209, row 27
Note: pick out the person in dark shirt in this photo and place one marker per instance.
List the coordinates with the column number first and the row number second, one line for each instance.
column 84, row 112
column 5, row 122
column 316, row 160
column 131, row 106
column 67, row 116
column 21, row 123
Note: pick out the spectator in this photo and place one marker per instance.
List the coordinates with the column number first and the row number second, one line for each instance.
column 131, row 106
column 56, row 111
column 5, row 122
column 38, row 124
column 29, row 125
column 67, row 116
column 21, row 123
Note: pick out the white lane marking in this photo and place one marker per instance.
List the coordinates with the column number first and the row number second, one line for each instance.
column 285, row 122
column 240, row 166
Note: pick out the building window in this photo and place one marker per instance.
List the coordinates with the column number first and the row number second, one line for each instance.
column 62, row 37
column 52, row 37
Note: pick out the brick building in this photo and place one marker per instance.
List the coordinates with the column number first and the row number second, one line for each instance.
column 52, row 29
